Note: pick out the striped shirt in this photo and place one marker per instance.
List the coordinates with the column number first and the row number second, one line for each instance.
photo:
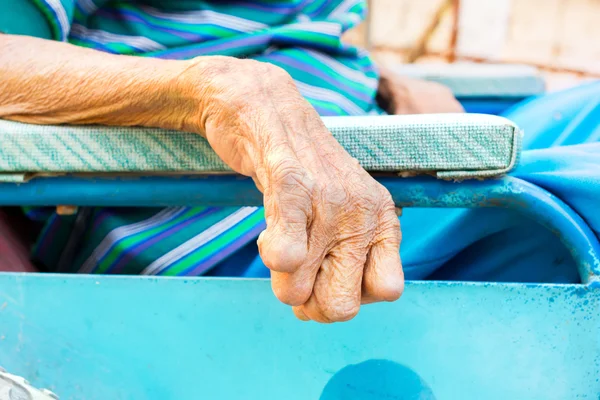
column 303, row 37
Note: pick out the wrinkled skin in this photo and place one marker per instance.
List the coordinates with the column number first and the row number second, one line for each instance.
column 332, row 238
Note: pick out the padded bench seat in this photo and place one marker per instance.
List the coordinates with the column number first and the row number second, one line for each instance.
column 450, row 146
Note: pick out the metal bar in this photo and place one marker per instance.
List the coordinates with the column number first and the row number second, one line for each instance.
column 227, row 190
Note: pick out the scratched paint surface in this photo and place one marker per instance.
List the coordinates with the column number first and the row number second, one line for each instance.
column 97, row 337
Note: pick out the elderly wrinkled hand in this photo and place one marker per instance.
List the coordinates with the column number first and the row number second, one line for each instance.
column 332, row 238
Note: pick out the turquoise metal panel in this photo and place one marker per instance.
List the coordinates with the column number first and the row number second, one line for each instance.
column 107, row 337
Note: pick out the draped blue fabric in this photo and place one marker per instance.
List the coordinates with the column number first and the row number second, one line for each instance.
column 561, row 154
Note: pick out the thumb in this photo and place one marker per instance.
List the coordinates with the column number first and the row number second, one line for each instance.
column 283, row 246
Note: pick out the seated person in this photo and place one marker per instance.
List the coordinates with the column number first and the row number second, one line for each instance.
column 252, row 77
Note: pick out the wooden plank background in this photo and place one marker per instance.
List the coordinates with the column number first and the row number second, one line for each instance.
column 560, row 36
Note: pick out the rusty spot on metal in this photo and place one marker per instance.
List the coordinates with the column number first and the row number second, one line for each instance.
column 504, row 203
column 66, row 210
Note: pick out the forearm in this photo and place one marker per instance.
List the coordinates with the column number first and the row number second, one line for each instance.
column 45, row 82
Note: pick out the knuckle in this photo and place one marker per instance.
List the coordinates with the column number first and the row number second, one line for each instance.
column 293, row 107
column 338, row 308
column 342, row 313
column 361, row 212
column 275, row 72
column 271, row 75
column 283, row 245
column 277, row 257
column 334, row 194
column 265, row 67
column 384, row 288
column 291, row 178
column 366, row 202
column 365, row 194
column 391, row 292
column 292, row 296
column 285, row 169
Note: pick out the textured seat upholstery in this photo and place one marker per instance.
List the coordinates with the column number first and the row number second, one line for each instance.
column 446, row 145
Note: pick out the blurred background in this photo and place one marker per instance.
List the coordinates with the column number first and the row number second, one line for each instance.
column 560, row 37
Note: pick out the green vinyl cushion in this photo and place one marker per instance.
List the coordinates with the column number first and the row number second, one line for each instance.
column 451, row 146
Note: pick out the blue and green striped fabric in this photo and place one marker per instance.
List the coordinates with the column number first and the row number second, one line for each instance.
column 303, row 37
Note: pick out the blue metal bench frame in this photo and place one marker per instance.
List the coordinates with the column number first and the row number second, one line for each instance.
column 507, row 192
column 99, row 337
